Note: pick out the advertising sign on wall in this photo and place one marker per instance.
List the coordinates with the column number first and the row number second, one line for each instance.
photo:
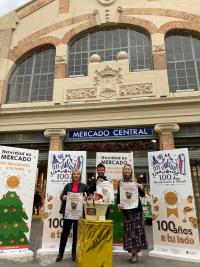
column 17, row 178
column 60, row 167
column 175, row 228
column 110, row 133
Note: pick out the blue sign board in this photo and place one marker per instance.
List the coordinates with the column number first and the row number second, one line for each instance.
column 110, row 133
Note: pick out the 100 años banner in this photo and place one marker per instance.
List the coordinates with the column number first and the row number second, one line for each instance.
column 17, row 178
column 60, row 167
column 175, row 228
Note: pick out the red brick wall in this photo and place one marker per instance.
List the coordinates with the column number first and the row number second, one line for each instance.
column 30, row 8
column 19, row 50
column 166, row 141
column 56, row 143
column 64, row 6
column 159, row 61
column 162, row 12
column 60, row 70
column 149, row 26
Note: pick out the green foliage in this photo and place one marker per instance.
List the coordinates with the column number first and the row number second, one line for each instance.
column 117, row 218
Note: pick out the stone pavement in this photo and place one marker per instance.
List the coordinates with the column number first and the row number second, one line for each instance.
column 118, row 260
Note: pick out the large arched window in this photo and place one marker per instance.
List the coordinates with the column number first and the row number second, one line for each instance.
column 183, row 61
column 32, row 79
column 107, row 43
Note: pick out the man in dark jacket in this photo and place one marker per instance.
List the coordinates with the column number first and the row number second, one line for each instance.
column 100, row 177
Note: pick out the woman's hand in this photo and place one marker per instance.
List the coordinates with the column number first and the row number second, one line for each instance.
column 64, row 197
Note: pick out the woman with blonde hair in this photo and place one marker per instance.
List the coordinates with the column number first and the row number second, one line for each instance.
column 76, row 187
column 134, row 232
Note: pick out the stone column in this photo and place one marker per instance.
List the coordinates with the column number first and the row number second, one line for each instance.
column 56, row 138
column 166, row 134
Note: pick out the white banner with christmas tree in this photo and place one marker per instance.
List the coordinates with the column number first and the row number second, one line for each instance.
column 17, row 178
column 60, row 167
column 114, row 163
column 175, row 228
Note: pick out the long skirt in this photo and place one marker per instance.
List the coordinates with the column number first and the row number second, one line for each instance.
column 134, row 232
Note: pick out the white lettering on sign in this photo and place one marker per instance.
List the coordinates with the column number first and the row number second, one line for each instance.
column 109, row 133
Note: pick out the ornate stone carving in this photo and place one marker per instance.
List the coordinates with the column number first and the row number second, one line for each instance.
column 56, row 138
column 107, row 82
column 55, row 133
column 80, row 94
column 135, row 89
column 107, row 15
column 60, row 59
column 106, row 2
column 166, row 128
column 158, row 48
column 107, row 71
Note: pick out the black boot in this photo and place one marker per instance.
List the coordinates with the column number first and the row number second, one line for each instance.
column 59, row 257
column 74, row 254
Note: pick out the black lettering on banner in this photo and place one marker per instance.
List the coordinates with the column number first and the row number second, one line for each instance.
column 171, row 226
column 55, row 223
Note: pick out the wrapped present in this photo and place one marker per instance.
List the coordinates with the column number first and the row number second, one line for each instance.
column 94, row 246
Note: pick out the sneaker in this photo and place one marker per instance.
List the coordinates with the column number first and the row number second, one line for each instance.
column 59, row 257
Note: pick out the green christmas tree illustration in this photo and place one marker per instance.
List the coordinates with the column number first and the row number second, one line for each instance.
column 12, row 221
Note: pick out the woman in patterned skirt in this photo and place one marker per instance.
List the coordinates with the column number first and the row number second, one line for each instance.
column 134, row 232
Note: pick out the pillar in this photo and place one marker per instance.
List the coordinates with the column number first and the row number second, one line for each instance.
column 166, row 135
column 56, row 138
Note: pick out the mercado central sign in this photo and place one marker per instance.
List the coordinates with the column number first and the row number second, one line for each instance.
column 110, row 133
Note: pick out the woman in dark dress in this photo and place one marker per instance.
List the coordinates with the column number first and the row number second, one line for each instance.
column 76, row 187
column 134, row 232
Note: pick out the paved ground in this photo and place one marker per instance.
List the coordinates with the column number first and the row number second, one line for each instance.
column 118, row 260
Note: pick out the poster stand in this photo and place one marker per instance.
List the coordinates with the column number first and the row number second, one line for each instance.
column 170, row 256
column 16, row 254
column 53, row 251
column 174, row 221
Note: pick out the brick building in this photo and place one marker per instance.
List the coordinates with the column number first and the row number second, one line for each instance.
column 101, row 66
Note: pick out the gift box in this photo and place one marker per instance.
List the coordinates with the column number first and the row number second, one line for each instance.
column 95, row 211
column 94, row 245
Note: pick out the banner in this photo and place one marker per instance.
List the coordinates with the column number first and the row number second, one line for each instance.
column 175, row 228
column 128, row 195
column 17, row 178
column 74, row 206
column 114, row 163
column 60, row 167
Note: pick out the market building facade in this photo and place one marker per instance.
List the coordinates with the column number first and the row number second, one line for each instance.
column 102, row 75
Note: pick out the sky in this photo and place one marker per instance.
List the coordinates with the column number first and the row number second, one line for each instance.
column 9, row 5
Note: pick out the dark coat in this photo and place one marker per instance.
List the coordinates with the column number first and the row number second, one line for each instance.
column 82, row 188
column 93, row 188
